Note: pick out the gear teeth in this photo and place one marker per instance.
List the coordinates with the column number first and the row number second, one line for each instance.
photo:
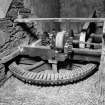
column 22, row 73
column 25, row 74
column 71, row 75
column 59, row 75
column 81, row 72
column 52, row 76
column 77, row 74
column 35, row 74
column 29, row 75
column 41, row 76
column 47, row 78
column 56, row 76
column 32, row 75
column 65, row 76
column 44, row 77
column 38, row 76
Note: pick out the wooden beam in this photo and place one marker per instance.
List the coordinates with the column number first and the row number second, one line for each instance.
column 26, row 20
column 10, row 57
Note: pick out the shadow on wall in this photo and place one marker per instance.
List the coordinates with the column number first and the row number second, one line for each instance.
column 63, row 8
column 78, row 8
column 45, row 9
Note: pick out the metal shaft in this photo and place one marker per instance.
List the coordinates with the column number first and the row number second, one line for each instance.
column 87, row 43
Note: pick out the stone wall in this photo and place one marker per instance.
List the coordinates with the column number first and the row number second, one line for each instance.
column 64, row 8
column 79, row 8
column 44, row 9
column 4, row 5
column 13, row 34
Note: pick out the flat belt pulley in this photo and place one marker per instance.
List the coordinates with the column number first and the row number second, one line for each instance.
column 60, row 40
column 82, row 39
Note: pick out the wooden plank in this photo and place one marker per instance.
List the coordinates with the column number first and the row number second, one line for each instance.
column 41, row 51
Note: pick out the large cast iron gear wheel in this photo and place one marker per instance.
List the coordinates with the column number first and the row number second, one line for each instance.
column 47, row 77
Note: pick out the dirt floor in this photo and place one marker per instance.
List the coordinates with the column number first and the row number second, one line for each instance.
column 87, row 92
